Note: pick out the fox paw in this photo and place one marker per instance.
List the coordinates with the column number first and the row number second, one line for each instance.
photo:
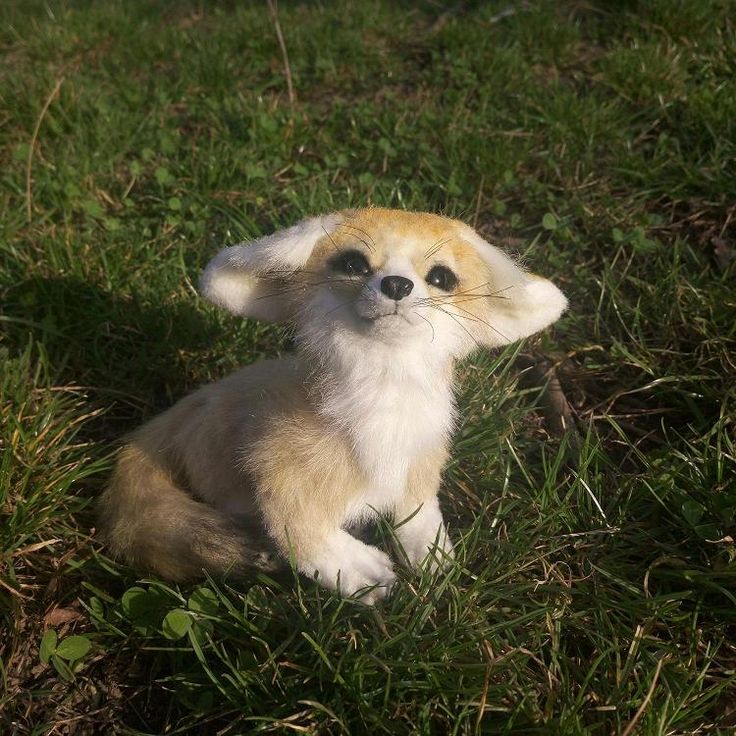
column 354, row 569
column 424, row 539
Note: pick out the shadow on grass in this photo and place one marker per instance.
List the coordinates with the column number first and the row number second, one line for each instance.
column 111, row 344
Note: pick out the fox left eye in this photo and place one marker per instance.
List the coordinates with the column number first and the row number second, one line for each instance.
column 351, row 263
column 442, row 278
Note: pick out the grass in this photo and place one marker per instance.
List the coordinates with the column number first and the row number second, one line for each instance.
column 595, row 586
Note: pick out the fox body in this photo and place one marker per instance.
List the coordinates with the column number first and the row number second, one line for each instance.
column 356, row 424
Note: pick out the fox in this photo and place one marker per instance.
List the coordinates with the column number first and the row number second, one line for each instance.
column 281, row 462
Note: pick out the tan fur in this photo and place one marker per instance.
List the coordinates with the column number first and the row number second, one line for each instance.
column 306, row 477
column 296, row 473
column 155, row 525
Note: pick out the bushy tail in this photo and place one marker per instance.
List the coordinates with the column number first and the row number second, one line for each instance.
column 151, row 523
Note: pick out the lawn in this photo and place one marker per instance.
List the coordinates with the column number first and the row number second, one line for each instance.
column 592, row 487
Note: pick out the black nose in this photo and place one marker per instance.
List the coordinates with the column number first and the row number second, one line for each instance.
column 396, row 287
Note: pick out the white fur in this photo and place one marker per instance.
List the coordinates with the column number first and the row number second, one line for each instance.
column 234, row 280
column 423, row 536
column 385, row 390
column 394, row 403
column 525, row 303
column 354, row 568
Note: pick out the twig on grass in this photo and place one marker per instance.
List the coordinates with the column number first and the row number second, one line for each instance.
column 34, row 137
column 13, row 590
column 540, row 372
column 273, row 10
column 505, row 13
column 478, row 201
column 632, row 723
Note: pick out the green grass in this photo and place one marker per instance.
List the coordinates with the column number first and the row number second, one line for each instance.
column 595, row 586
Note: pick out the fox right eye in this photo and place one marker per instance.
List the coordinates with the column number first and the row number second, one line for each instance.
column 351, row 263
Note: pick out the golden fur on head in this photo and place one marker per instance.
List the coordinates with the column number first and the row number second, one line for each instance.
column 384, row 301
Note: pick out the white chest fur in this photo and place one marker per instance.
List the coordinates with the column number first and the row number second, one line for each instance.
column 395, row 406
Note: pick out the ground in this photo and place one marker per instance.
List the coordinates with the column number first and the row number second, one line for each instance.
column 592, row 487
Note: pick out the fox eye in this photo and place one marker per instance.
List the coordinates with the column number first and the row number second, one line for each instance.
column 351, row 263
column 442, row 278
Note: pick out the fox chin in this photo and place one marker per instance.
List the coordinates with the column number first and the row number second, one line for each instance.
column 357, row 423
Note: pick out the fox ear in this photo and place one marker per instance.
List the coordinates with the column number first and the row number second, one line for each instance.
column 249, row 279
column 520, row 304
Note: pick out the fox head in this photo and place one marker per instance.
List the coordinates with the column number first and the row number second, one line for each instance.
column 406, row 279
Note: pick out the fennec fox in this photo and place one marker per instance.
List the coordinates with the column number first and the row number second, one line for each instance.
column 357, row 423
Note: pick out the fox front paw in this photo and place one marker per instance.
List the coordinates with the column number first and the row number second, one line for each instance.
column 432, row 550
column 424, row 540
column 352, row 568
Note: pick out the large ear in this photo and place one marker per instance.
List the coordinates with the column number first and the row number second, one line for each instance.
column 521, row 303
column 248, row 279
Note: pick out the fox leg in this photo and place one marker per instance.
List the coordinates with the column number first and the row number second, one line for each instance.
column 312, row 535
column 420, row 528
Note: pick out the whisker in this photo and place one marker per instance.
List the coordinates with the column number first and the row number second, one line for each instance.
column 470, row 317
column 475, row 318
column 371, row 248
column 462, row 292
column 334, row 244
column 298, row 286
column 466, row 315
column 344, row 304
column 421, row 316
column 469, row 296
column 274, row 294
column 469, row 290
column 451, row 316
column 433, row 249
column 473, row 298
column 329, row 279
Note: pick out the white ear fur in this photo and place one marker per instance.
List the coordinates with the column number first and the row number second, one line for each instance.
column 524, row 303
column 233, row 279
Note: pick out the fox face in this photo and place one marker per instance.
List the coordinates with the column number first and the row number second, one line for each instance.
column 411, row 281
column 407, row 287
